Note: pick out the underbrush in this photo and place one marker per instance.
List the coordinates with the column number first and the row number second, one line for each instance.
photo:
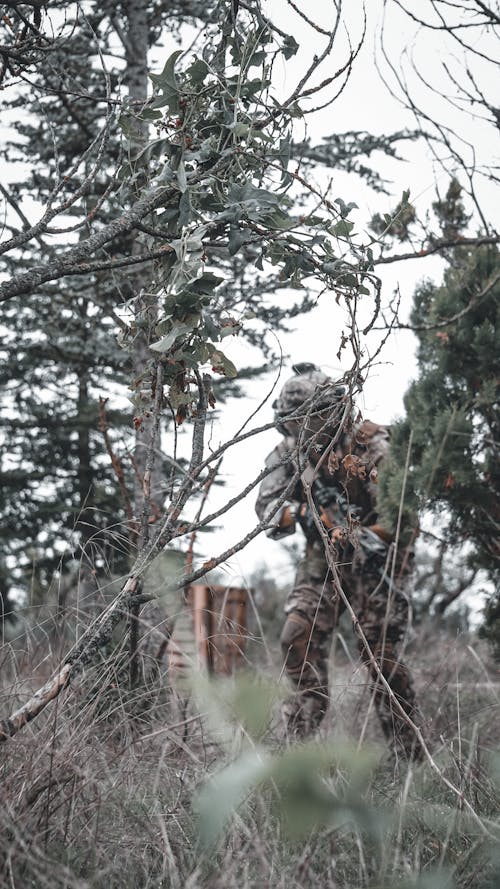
column 190, row 785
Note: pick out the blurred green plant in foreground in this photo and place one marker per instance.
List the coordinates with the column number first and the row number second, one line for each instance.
column 339, row 790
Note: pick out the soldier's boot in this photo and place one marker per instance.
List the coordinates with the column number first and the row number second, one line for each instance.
column 400, row 735
column 307, row 667
column 303, row 713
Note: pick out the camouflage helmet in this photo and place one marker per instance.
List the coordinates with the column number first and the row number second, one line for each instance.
column 312, row 390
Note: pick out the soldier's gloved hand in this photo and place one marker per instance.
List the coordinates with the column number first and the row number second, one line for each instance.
column 306, row 518
column 288, row 517
column 286, row 521
column 329, row 497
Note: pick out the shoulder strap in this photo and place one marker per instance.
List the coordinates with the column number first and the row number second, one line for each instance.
column 369, row 429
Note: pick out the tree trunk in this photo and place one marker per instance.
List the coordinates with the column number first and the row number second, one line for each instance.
column 149, row 488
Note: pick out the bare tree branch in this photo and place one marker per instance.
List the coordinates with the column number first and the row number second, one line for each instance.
column 438, row 247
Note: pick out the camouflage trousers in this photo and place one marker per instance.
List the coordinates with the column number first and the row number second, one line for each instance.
column 313, row 609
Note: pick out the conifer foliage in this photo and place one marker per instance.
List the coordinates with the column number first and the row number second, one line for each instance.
column 450, row 436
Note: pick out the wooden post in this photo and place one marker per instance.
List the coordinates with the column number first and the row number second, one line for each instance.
column 217, row 640
column 229, row 629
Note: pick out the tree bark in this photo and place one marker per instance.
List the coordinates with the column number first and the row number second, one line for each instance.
column 149, row 485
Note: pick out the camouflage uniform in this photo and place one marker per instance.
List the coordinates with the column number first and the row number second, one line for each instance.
column 313, row 607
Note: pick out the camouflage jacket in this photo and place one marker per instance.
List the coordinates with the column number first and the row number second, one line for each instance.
column 352, row 467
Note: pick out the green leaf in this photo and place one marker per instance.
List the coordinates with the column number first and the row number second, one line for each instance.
column 225, row 792
column 166, row 79
column 342, row 229
column 262, row 136
column 127, row 125
column 239, row 129
column 197, row 71
column 250, row 88
column 200, row 353
column 210, row 330
column 347, row 280
column 170, row 99
column 166, row 83
column 144, row 156
column 251, row 703
column 290, row 46
column 228, row 331
column 165, row 344
column 220, row 363
column 315, row 222
column 279, row 221
column 345, row 209
column 185, row 209
column 165, row 325
column 304, row 801
column 237, row 239
column 275, row 252
column 332, row 268
column 205, row 284
column 307, row 802
column 295, row 110
column 249, row 194
column 150, row 114
column 257, row 58
column 177, row 397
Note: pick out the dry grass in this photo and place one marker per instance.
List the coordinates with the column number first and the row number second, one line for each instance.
column 99, row 791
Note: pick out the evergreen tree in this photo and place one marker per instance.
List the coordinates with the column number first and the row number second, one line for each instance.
column 450, row 435
column 59, row 498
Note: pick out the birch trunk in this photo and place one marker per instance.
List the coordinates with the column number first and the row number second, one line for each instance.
column 148, row 632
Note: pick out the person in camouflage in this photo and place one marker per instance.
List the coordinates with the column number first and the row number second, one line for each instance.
column 331, row 475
